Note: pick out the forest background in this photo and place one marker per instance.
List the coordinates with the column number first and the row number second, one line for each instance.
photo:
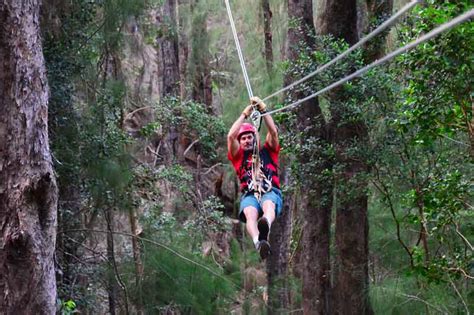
column 378, row 214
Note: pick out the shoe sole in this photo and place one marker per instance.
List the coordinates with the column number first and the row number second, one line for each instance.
column 263, row 230
column 264, row 250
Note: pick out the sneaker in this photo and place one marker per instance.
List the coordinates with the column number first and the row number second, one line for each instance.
column 264, row 249
column 263, row 229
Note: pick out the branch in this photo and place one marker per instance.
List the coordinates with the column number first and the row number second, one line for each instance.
column 463, row 237
column 465, row 274
column 211, row 168
column 460, row 296
column 384, row 190
column 416, row 298
column 190, row 146
column 135, row 111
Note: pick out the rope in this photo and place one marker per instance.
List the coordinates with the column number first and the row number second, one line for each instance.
column 375, row 32
column 239, row 50
column 443, row 27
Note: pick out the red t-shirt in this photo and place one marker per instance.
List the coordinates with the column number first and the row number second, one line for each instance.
column 269, row 165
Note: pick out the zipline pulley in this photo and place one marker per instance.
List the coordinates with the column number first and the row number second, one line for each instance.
column 256, row 118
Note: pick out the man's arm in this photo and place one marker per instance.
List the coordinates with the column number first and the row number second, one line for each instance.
column 272, row 134
column 232, row 142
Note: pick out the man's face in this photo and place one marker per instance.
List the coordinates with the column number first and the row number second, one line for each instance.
column 246, row 141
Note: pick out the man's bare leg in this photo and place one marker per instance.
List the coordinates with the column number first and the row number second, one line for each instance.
column 251, row 215
column 269, row 211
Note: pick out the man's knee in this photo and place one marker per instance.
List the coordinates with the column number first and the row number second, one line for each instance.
column 268, row 205
column 251, row 213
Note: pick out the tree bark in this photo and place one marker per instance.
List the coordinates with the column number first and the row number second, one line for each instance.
column 167, row 48
column 277, row 263
column 183, row 48
column 168, row 72
column 315, row 193
column 339, row 18
column 301, row 26
column 351, row 295
column 28, row 192
column 267, row 30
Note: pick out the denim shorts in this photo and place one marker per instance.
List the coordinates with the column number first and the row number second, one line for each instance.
column 249, row 199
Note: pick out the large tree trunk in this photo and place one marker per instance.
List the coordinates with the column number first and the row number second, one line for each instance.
column 168, row 72
column 267, row 30
column 339, row 18
column 315, row 193
column 277, row 263
column 300, row 13
column 28, row 192
column 167, row 48
column 200, row 57
column 351, row 287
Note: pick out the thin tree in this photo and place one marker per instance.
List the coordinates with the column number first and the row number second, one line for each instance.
column 339, row 18
column 200, row 57
column 315, row 191
column 28, row 192
column 267, row 30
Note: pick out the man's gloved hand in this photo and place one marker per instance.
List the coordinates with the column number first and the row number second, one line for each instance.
column 247, row 111
column 258, row 103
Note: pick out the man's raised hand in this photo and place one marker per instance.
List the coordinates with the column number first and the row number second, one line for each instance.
column 258, row 103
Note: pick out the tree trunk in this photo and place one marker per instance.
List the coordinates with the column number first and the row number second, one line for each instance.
column 200, row 56
column 137, row 258
column 267, row 30
column 339, row 18
column 167, row 49
column 183, row 48
column 168, row 72
column 378, row 11
column 351, row 295
column 28, row 192
column 315, row 193
column 300, row 12
column 112, row 283
column 277, row 263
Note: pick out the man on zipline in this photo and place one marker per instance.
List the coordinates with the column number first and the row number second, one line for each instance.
column 257, row 169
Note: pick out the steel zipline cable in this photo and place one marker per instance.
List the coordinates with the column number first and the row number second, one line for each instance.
column 359, row 44
column 438, row 30
column 239, row 50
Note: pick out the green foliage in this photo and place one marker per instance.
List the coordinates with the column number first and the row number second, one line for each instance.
column 418, row 115
column 438, row 74
column 88, row 143
column 66, row 307
column 193, row 121
column 171, row 282
column 420, row 126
